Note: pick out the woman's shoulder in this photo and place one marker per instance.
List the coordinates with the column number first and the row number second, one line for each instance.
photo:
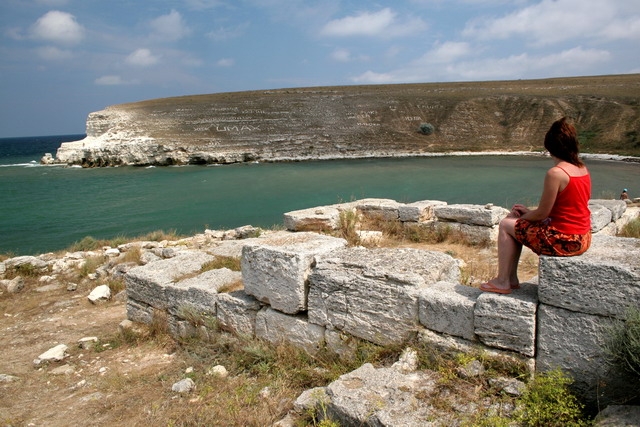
column 569, row 169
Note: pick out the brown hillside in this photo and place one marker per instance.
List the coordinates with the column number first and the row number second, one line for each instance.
column 377, row 121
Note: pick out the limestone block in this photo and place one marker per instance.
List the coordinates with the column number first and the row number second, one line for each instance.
column 385, row 209
column 275, row 270
column 236, row 311
column 277, row 327
column 384, row 396
column 573, row 342
column 139, row 312
column 508, row 321
column 604, row 280
column 609, row 230
column 448, row 308
column 486, row 215
column 474, row 234
column 617, row 207
column 373, row 293
column 147, row 283
column 341, row 344
column 313, row 219
column 26, row 261
column 600, row 217
column 200, row 292
column 418, row 211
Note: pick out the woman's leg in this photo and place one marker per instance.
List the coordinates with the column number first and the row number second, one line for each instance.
column 509, row 250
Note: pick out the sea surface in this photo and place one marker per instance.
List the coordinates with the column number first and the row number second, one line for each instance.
column 48, row 208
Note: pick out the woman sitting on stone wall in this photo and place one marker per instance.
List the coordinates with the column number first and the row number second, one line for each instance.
column 560, row 225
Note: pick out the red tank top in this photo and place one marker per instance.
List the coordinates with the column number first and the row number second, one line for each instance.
column 570, row 213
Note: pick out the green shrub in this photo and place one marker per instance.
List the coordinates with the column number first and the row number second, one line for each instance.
column 547, row 402
column 348, row 227
column 426, row 128
column 88, row 243
column 622, row 343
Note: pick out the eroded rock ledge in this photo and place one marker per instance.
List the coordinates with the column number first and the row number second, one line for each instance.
column 358, row 122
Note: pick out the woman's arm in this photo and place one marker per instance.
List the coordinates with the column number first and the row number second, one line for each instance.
column 555, row 180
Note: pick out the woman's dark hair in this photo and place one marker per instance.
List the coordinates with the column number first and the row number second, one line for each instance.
column 561, row 141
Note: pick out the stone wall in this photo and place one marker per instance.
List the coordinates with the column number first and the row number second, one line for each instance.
column 313, row 291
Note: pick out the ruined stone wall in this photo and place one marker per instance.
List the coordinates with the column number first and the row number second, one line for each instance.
column 313, row 291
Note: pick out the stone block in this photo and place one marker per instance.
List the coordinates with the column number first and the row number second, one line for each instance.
column 199, row 293
column 600, row 217
column 604, row 280
column 277, row 328
column 474, row 234
column 275, row 270
column 573, row 342
column 384, row 209
column 148, row 283
column 508, row 321
column 313, row 219
column 418, row 211
column 341, row 344
column 617, row 207
column 373, row 293
column 139, row 312
column 485, row 215
column 236, row 311
column 448, row 308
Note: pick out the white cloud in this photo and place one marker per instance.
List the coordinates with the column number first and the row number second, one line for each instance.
column 52, row 53
column 568, row 62
column 142, row 58
column 56, row 26
column 341, row 55
column 112, row 80
column 448, row 52
column 203, row 4
column 226, row 62
column 383, row 23
column 552, row 21
column 225, row 33
column 169, row 27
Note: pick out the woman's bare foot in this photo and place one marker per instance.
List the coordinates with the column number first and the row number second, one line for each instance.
column 491, row 286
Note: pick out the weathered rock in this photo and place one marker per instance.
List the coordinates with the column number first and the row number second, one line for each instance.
column 140, row 312
column 63, row 370
column 183, row 386
column 26, row 262
column 448, row 308
column 277, row 327
column 387, row 397
column 418, row 211
column 14, row 285
column 54, row 354
column 511, row 386
column 237, row 311
column 617, row 207
column 100, row 294
column 619, row 416
column 373, row 293
column 199, row 293
column 384, row 209
column 4, row 378
column 218, row 371
column 148, row 283
column 275, row 270
column 600, row 217
column 314, row 219
column 485, row 215
column 604, row 280
column 508, row 321
column 573, row 342
column 474, row 234
column 341, row 344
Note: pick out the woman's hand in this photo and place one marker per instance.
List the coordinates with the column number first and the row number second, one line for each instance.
column 518, row 210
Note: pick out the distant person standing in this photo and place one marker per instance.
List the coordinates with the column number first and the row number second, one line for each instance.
column 624, row 195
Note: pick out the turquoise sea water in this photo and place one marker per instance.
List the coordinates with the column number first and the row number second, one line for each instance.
column 47, row 208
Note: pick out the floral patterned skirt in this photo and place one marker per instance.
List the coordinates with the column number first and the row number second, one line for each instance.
column 546, row 240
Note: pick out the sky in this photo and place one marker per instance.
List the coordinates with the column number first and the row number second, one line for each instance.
column 63, row 59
